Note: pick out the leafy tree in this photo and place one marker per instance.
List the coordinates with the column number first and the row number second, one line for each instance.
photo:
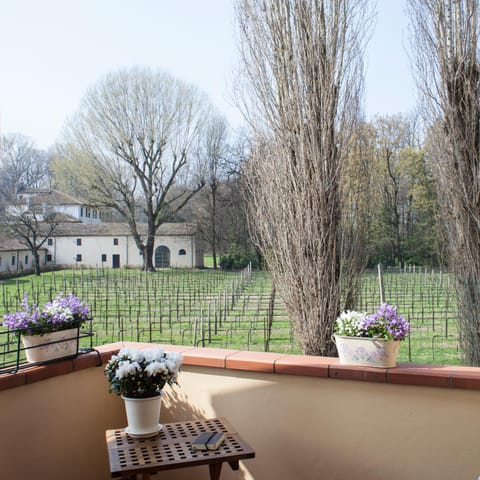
column 404, row 222
column 423, row 242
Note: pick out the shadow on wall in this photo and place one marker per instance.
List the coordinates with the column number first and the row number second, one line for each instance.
column 305, row 428
column 176, row 407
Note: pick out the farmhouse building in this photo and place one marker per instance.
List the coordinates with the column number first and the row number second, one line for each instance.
column 45, row 200
column 112, row 245
column 81, row 238
column 15, row 257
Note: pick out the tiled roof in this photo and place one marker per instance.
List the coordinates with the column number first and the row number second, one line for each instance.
column 10, row 244
column 64, row 218
column 48, row 196
column 120, row 229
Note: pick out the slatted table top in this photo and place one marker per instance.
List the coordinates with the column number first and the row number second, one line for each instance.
column 172, row 448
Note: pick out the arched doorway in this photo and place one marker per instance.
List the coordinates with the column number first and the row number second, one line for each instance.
column 162, row 257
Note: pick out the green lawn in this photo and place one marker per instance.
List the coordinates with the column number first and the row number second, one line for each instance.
column 232, row 310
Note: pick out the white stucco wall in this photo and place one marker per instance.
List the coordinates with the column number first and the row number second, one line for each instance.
column 72, row 210
column 23, row 260
column 76, row 211
column 64, row 251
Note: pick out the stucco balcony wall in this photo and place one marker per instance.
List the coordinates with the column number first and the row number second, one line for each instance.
column 306, row 417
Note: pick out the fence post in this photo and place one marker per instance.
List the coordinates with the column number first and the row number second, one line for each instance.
column 380, row 282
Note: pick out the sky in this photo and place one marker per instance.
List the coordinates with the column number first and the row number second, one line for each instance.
column 52, row 51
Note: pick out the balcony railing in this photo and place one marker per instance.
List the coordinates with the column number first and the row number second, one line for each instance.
column 306, row 417
column 14, row 352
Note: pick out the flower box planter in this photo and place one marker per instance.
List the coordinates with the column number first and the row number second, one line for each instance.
column 52, row 331
column 370, row 340
column 370, row 352
column 50, row 346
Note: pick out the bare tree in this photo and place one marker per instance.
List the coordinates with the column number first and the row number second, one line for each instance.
column 445, row 40
column 214, row 151
column 303, row 63
column 22, row 165
column 357, row 205
column 392, row 135
column 139, row 131
column 31, row 225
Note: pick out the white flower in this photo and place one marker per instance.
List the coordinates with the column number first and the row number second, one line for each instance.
column 132, row 371
column 154, row 355
column 349, row 323
column 176, row 358
column 124, row 352
column 125, row 369
column 137, row 356
column 156, row 368
column 132, row 354
column 171, row 366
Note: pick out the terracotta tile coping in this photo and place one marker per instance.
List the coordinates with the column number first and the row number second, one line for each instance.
column 403, row 374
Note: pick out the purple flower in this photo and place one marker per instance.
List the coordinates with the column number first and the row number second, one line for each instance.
column 386, row 323
column 63, row 313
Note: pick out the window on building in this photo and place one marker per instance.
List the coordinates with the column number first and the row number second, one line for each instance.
column 87, row 212
column 50, row 242
column 182, row 251
column 115, row 241
column 49, row 257
column 94, row 213
column 26, row 260
column 78, row 258
column 13, row 259
column 79, row 242
column 104, row 257
column 81, row 211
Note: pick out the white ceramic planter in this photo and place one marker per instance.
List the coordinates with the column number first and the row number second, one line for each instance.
column 66, row 344
column 370, row 352
column 143, row 416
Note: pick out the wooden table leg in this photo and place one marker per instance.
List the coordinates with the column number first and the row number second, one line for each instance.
column 215, row 469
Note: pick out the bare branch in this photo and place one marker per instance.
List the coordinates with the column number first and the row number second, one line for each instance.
column 303, row 62
column 139, row 131
column 446, row 46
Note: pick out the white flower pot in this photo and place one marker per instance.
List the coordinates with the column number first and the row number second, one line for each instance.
column 66, row 344
column 143, row 416
column 371, row 352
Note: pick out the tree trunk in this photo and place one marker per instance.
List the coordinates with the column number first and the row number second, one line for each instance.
column 214, row 226
column 36, row 258
column 148, row 254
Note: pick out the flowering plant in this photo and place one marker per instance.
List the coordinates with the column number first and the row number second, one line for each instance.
column 142, row 373
column 66, row 311
column 386, row 323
